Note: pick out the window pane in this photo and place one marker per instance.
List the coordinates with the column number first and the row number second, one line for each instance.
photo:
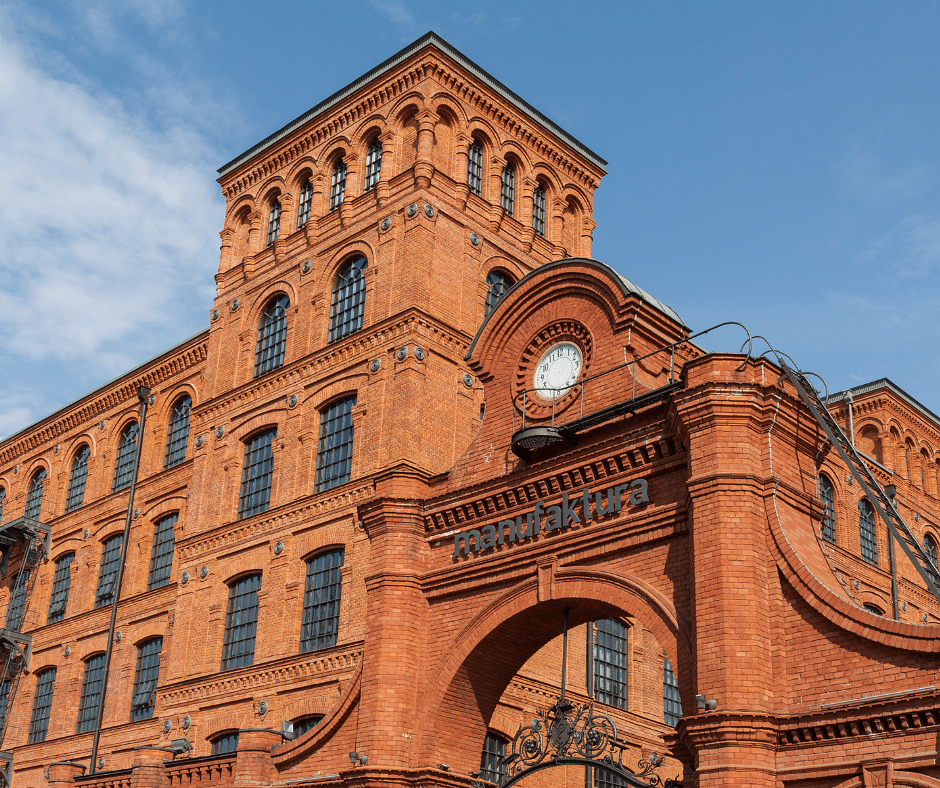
column 274, row 221
column 347, row 308
column 334, row 455
column 475, row 168
column 91, row 694
column 866, row 531
column 177, row 435
column 161, row 556
column 306, row 196
column 338, row 184
column 321, row 601
column 306, row 724
column 373, row 165
column 34, row 495
column 107, row 574
column 930, row 547
column 257, row 474
column 829, row 519
column 145, row 680
column 17, row 604
column 61, row 582
column 498, row 284
column 272, row 336
column 610, row 663
column 538, row 211
column 672, row 703
column 42, row 706
column 3, row 495
column 508, row 190
column 224, row 744
column 241, row 622
column 77, row 478
column 124, row 461
column 492, row 768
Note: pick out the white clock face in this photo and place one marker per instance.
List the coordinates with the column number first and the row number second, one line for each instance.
column 557, row 370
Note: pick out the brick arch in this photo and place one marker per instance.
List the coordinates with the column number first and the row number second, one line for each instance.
column 511, row 151
column 370, row 128
column 500, row 263
column 73, row 446
column 335, row 535
column 273, row 188
column 498, row 640
column 305, row 167
column 441, row 103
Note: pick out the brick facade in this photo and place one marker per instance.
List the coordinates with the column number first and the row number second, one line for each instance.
column 694, row 520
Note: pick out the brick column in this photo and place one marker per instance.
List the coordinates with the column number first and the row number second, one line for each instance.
column 148, row 769
column 65, row 772
column 253, row 765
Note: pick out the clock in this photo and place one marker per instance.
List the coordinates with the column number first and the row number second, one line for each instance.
column 557, row 370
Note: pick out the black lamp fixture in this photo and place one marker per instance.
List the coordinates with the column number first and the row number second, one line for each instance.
column 180, row 746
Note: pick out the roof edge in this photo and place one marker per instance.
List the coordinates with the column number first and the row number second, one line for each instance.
column 428, row 39
column 883, row 383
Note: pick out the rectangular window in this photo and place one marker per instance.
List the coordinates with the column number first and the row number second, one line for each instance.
column 610, row 663
column 17, row 605
column 338, row 185
column 322, row 595
column 107, row 574
column 606, row 779
column 61, row 582
column 274, row 222
column 306, row 197
column 508, row 190
column 42, row 707
column 538, row 212
column 4, row 704
column 91, row 694
column 257, row 474
column 475, row 168
column 492, row 768
column 161, row 555
column 334, row 454
column 225, row 743
column 77, row 478
column 145, row 680
column 866, row 531
column 672, row 703
column 241, row 622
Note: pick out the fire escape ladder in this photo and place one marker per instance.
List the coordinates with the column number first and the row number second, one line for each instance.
column 32, row 539
column 897, row 528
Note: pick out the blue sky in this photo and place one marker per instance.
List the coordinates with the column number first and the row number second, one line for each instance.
column 771, row 163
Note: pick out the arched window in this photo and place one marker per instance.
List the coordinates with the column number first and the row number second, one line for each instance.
column 373, row 165
column 177, row 435
column 34, row 495
column 492, row 767
column 77, row 477
column 610, row 663
column 338, row 184
column 124, row 460
column 924, row 460
column 42, row 707
column 274, row 221
column 17, row 604
column 91, row 694
column 306, row 198
column 108, row 571
column 257, row 474
column 3, row 495
column 873, row 609
column 305, row 724
column 497, row 285
column 61, row 583
column 827, row 496
column 908, row 450
column 322, row 595
column 161, row 555
column 866, row 531
column 930, row 547
column 225, row 743
column 507, row 191
column 538, row 211
column 334, row 453
column 241, row 623
column 475, row 167
column 672, row 703
column 347, row 307
column 272, row 335
column 145, row 679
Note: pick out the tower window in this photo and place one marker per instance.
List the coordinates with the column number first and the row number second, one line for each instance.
column 507, row 193
column 492, row 768
column 77, row 477
column 610, row 663
column 538, row 210
column 827, row 496
column 672, row 703
column 124, row 461
column 274, row 221
column 258, row 474
column 177, row 436
column 930, row 547
column 107, row 574
column 33, row 505
column 866, row 531
column 334, row 455
column 145, row 680
column 373, row 165
column 241, row 623
column 42, row 707
column 338, row 184
column 306, row 198
column 497, row 285
column 475, row 168
column 272, row 335
column 161, row 555
column 322, row 594
column 348, row 304
column 91, row 694
column 61, row 582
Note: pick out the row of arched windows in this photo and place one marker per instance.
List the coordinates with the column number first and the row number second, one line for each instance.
column 177, row 439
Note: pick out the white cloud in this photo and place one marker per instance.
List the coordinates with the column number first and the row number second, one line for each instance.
column 396, row 11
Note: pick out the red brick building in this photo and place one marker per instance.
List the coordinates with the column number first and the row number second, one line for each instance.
column 421, row 425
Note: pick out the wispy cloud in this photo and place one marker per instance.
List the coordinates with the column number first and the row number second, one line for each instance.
column 395, row 11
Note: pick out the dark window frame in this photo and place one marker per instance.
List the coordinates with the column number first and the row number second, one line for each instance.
column 161, row 553
column 828, row 497
column 867, row 532
column 930, row 548
column 335, row 445
column 507, row 189
column 306, row 201
column 373, row 170
column 323, row 593
column 17, row 604
column 475, row 167
column 306, row 724
column 672, row 702
column 92, row 684
column 61, row 585
column 492, row 768
column 241, row 622
column 108, row 569
column 274, row 221
column 498, row 284
column 612, row 663
column 33, row 506
column 338, row 184
column 257, row 473
column 124, row 458
column 42, row 706
column 271, row 347
column 177, row 433
column 146, row 678
column 538, row 211
column 78, row 476
column 348, row 300
column 224, row 743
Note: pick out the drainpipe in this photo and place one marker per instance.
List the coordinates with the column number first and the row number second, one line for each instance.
column 848, row 401
column 143, row 393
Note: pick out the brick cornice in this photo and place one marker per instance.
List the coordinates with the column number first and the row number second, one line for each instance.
column 719, row 729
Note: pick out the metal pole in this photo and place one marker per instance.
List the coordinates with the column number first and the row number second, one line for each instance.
column 894, row 577
column 143, row 393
